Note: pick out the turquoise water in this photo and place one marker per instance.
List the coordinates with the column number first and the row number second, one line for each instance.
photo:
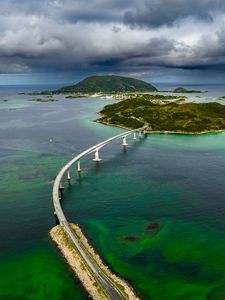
column 154, row 212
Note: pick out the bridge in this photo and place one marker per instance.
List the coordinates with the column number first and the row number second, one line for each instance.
column 108, row 286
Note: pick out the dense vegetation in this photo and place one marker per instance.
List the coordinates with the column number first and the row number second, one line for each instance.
column 108, row 84
column 165, row 116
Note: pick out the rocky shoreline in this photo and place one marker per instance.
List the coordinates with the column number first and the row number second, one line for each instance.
column 80, row 269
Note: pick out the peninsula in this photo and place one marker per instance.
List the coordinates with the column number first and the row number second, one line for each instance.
column 164, row 116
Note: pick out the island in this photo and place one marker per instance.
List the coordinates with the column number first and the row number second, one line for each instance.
column 42, row 93
column 93, row 86
column 77, row 96
column 43, row 100
column 108, row 84
column 183, row 90
column 164, row 116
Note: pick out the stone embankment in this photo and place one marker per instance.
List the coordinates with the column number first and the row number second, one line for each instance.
column 81, row 270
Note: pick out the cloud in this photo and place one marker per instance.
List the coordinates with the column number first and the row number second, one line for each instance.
column 97, row 36
column 155, row 13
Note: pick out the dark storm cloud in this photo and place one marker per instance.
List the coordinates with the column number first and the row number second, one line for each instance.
column 111, row 36
column 155, row 52
column 71, row 10
column 95, row 11
column 154, row 13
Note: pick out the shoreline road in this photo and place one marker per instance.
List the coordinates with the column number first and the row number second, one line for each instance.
column 107, row 284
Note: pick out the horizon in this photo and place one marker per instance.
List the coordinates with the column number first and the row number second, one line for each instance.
column 28, row 82
column 163, row 84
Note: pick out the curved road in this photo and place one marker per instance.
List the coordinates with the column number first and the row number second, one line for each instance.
column 106, row 283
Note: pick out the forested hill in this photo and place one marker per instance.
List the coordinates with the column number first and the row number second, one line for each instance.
column 109, row 84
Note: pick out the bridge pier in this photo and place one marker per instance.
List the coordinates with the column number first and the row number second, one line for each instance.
column 78, row 166
column 68, row 177
column 134, row 136
column 125, row 144
column 97, row 158
column 61, row 187
column 140, row 134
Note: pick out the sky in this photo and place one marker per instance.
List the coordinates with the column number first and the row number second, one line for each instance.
column 63, row 41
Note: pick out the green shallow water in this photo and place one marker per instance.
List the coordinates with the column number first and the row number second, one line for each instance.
column 31, row 267
column 172, row 264
column 174, row 184
column 37, row 275
column 178, row 186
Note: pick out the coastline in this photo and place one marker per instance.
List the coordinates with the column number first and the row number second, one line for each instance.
column 80, row 269
column 165, row 131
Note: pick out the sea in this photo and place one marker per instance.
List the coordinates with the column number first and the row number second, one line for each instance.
column 154, row 211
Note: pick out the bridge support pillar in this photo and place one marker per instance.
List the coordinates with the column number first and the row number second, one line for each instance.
column 68, row 177
column 61, row 187
column 135, row 136
column 97, row 158
column 78, row 166
column 125, row 141
column 140, row 134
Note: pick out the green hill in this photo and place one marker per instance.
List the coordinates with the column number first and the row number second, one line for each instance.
column 108, row 84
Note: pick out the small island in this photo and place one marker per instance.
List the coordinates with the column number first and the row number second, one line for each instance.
column 77, row 96
column 183, row 90
column 43, row 100
column 42, row 93
column 164, row 116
